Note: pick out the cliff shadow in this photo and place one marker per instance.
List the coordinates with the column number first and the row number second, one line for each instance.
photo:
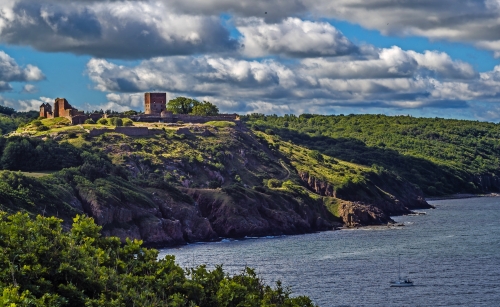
column 432, row 178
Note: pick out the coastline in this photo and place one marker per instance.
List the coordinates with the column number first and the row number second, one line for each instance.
column 461, row 196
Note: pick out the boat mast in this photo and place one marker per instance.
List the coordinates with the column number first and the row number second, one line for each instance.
column 399, row 267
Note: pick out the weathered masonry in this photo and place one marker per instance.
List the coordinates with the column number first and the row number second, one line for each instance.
column 62, row 108
column 155, row 103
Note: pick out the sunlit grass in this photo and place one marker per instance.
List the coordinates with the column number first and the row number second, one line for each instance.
column 221, row 124
column 38, row 174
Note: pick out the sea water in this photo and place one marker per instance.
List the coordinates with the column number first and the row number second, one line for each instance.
column 452, row 253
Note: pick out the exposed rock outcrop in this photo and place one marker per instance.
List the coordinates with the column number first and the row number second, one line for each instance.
column 356, row 214
column 255, row 214
column 166, row 223
column 371, row 202
column 322, row 187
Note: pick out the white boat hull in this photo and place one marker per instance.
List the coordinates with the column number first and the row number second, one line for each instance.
column 401, row 284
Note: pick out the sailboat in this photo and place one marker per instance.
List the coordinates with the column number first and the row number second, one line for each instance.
column 401, row 282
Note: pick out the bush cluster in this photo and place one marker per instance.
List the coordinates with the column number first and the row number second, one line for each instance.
column 42, row 265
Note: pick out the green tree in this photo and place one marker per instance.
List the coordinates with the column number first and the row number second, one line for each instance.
column 182, row 105
column 43, row 265
column 129, row 113
column 102, row 121
column 128, row 122
column 115, row 121
column 205, row 108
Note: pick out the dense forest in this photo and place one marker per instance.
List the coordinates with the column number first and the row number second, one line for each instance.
column 442, row 156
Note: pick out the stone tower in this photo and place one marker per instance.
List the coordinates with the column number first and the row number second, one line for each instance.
column 155, row 103
column 46, row 110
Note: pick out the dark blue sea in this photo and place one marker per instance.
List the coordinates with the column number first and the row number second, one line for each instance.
column 452, row 254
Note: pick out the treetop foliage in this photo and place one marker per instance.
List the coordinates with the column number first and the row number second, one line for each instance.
column 42, row 265
column 183, row 105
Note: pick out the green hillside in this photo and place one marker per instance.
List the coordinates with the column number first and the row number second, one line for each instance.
column 441, row 156
column 187, row 183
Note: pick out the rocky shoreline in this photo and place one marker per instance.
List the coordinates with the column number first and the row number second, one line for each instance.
column 462, row 196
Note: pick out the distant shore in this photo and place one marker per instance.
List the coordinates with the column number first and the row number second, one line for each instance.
column 459, row 196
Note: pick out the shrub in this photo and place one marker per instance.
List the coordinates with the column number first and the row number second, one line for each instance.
column 115, row 121
column 42, row 128
column 214, row 184
column 102, row 121
column 259, row 189
column 54, row 267
column 274, row 183
column 89, row 121
column 269, row 131
column 36, row 123
column 316, row 155
column 128, row 122
column 119, row 122
column 72, row 135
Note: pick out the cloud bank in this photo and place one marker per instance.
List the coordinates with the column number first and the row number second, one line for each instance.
column 261, row 56
column 148, row 28
column 125, row 29
column 393, row 78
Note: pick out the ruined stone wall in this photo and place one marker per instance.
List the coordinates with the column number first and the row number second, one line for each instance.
column 203, row 119
column 78, row 119
column 97, row 132
column 95, row 116
column 62, row 108
column 132, row 131
column 46, row 110
column 128, row 131
column 186, row 118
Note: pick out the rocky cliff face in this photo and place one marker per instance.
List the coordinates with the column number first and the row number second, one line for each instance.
column 213, row 215
column 356, row 214
column 250, row 213
column 171, row 197
column 323, row 188
column 373, row 201
column 167, row 223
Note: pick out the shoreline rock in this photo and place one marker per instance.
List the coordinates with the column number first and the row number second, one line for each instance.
column 462, row 196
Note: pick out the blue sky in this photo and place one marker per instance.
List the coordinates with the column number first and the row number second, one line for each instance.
column 432, row 59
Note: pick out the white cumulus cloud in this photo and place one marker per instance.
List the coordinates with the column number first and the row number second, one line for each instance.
column 293, row 37
column 383, row 78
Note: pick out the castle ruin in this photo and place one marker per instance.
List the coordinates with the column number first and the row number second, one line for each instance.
column 62, row 108
column 155, row 110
